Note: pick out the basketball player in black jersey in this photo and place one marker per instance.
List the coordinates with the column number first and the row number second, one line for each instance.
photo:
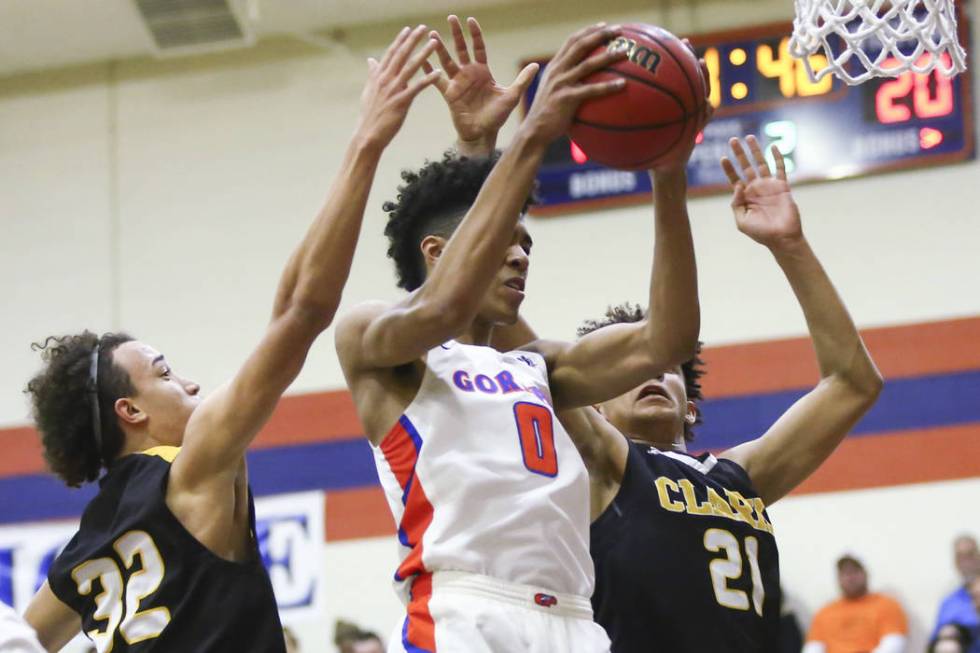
column 685, row 555
column 166, row 558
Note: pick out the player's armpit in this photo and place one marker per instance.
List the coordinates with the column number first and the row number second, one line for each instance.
column 802, row 438
column 54, row 622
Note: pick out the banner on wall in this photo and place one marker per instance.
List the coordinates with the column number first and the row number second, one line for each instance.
column 290, row 534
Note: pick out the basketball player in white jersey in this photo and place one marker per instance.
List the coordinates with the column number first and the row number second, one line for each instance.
column 490, row 496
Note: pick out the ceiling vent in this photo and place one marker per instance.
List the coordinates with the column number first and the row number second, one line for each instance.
column 192, row 26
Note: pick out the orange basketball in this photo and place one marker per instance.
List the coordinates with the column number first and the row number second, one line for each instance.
column 660, row 109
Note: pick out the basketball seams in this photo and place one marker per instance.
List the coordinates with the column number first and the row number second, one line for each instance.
column 651, row 84
column 698, row 100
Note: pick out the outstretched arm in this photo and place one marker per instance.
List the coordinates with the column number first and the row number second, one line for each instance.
column 811, row 429
column 582, row 372
column 310, row 287
column 376, row 337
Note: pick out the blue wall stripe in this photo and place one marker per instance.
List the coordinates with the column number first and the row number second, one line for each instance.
column 915, row 403
column 911, row 403
column 335, row 465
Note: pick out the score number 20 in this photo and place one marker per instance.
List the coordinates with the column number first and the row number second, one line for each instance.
column 925, row 103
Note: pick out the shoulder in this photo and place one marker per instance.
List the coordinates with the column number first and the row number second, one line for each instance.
column 549, row 350
column 352, row 324
column 887, row 602
column 360, row 316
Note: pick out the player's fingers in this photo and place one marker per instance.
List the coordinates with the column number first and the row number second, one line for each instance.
column 476, row 36
column 418, row 85
column 583, row 46
column 372, row 64
column 416, row 62
column 597, row 62
column 445, row 59
column 760, row 158
column 780, row 163
column 459, row 40
column 523, row 79
column 394, row 45
column 690, row 47
column 405, row 49
column 729, row 168
column 598, row 89
column 742, row 158
column 574, row 39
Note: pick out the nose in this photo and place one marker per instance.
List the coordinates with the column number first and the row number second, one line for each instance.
column 518, row 259
column 191, row 388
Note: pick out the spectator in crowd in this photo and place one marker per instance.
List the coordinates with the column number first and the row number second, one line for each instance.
column 345, row 635
column 292, row 642
column 859, row 620
column 951, row 638
column 957, row 608
column 368, row 642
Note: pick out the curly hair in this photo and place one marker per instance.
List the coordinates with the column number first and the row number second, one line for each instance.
column 692, row 369
column 61, row 401
column 432, row 201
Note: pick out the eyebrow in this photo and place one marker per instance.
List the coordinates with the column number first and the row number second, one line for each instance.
column 158, row 359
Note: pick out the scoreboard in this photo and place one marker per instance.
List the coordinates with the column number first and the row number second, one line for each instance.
column 825, row 130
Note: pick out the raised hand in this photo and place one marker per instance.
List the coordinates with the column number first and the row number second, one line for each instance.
column 763, row 204
column 390, row 89
column 680, row 162
column 561, row 90
column 479, row 106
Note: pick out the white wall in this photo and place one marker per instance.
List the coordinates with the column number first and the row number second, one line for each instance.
column 164, row 197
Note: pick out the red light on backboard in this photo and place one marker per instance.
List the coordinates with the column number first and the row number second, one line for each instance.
column 699, row 138
column 577, row 154
column 929, row 138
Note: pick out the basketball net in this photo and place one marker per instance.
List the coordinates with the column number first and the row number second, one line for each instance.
column 861, row 39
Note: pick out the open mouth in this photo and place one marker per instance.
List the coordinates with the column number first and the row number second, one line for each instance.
column 652, row 390
column 517, row 283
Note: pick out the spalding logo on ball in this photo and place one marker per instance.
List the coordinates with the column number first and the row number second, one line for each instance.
column 653, row 119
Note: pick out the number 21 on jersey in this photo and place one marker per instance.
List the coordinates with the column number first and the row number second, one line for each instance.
column 134, row 625
column 718, row 540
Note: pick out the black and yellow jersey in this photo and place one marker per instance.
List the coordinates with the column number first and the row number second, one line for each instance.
column 141, row 582
column 685, row 559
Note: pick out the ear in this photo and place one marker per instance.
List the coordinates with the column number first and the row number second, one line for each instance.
column 692, row 413
column 432, row 247
column 127, row 410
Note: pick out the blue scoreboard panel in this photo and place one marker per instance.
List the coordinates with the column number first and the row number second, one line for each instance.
column 825, row 130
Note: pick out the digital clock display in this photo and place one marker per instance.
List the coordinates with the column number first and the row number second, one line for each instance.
column 825, row 130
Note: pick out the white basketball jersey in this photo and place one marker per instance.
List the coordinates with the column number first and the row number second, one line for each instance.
column 482, row 478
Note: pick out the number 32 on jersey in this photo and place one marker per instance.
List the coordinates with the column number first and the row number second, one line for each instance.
column 134, row 625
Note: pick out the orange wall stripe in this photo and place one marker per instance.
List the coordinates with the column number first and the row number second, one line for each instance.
column 943, row 454
column 904, row 351
column 353, row 514
column 21, row 449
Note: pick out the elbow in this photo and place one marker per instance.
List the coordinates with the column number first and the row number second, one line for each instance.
column 311, row 316
column 673, row 346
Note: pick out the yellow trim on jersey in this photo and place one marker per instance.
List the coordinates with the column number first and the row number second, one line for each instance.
column 166, row 452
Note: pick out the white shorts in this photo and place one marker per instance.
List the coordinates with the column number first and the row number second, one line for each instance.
column 457, row 612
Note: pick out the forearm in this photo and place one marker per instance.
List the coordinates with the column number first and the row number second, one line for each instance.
column 472, row 258
column 838, row 346
column 317, row 271
column 674, row 316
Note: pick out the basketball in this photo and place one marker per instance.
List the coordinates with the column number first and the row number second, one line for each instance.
column 651, row 121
